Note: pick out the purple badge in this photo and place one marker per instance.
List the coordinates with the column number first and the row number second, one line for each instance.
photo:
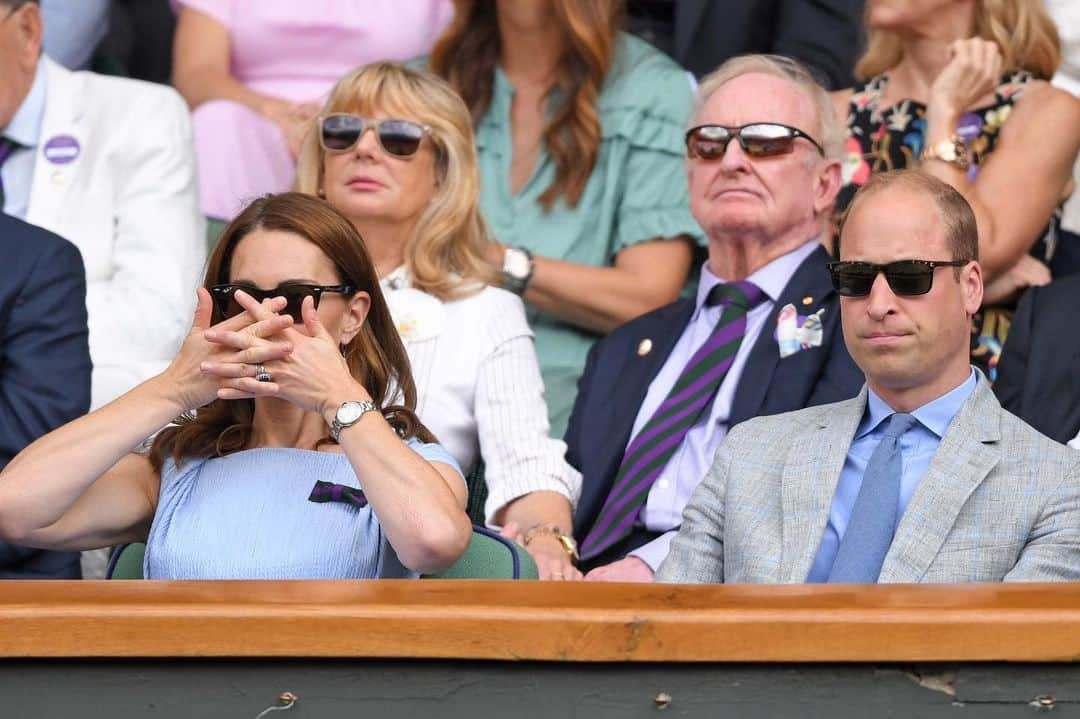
column 61, row 150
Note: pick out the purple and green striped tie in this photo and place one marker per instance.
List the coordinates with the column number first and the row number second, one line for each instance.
column 657, row 441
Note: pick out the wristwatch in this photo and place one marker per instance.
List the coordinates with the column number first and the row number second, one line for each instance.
column 348, row 414
column 954, row 151
column 567, row 542
column 518, row 266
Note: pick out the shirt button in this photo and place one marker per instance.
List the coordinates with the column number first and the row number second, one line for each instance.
column 663, row 484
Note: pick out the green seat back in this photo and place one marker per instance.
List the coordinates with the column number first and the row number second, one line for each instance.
column 126, row 562
column 490, row 556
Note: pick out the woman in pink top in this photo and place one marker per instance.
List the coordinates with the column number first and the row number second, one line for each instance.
column 255, row 74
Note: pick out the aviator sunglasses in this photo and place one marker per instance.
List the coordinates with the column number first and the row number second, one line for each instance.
column 758, row 139
column 905, row 277
column 400, row 138
column 293, row 292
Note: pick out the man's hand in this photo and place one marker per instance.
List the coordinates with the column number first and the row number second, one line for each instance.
column 630, row 569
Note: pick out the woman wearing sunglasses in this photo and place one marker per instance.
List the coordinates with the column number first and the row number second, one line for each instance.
column 579, row 132
column 255, row 73
column 394, row 154
column 304, row 458
column 960, row 90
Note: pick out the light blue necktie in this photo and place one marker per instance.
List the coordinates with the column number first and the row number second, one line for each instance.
column 873, row 518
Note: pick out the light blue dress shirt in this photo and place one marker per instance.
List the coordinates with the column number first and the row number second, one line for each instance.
column 25, row 129
column 687, row 467
column 917, row 447
column 72, row 29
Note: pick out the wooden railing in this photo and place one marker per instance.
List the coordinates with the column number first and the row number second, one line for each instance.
column 541, row 621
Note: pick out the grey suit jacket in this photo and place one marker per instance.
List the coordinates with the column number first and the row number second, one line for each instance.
column 999, row 502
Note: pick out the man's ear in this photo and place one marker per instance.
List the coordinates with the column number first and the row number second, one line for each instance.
column 971, row 285
column 827, row 185
column 30, row 31
column 359, row 306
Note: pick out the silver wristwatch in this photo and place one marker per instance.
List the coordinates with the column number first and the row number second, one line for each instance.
column 348, row 414
column 518, row 266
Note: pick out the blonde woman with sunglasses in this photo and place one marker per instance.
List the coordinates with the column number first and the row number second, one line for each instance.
column 393, row 151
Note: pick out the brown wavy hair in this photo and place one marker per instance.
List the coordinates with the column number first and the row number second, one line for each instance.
column 468, row 51
column 445, row 254
column 1022, row 29
column 375, row 356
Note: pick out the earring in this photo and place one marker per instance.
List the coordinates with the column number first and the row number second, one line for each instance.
column 321, row 193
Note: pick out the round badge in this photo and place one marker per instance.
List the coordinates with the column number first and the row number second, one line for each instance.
column 61, row 149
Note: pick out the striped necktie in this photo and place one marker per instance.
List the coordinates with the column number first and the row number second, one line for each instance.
column 6, row 148
column 657, row 441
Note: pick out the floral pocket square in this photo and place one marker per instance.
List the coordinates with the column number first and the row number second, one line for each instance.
column 795, row 332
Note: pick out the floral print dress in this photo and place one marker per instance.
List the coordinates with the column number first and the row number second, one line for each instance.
column 881, row 139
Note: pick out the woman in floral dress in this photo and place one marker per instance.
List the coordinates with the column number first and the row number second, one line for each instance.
column 959, row 89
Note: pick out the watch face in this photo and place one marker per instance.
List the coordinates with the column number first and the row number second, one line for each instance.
column 516, row 263
column 349, row 412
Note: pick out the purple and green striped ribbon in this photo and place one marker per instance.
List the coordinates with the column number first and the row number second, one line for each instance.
column 657, row 441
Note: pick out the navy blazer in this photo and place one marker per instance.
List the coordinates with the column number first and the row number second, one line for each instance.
column 616, row 379
column 1038, row 378
column 44, row 361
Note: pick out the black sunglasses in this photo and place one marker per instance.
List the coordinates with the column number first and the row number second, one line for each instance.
column 758, row 139
column 905, row 277
column 341, row 132
column 293, row 292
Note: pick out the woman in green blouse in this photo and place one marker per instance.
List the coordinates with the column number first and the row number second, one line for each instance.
column 579, row 129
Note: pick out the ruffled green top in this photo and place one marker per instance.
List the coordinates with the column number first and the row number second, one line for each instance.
column 637, row 192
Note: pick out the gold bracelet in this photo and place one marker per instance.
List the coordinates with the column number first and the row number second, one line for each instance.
column 567, row 542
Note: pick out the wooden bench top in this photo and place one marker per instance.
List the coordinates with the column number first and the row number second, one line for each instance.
column 577, row 622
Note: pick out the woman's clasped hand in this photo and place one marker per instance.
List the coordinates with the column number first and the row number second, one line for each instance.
column 302, row 363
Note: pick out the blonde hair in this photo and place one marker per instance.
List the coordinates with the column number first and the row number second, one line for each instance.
column 828, row 132
column 1022, row 29
column 445, row 254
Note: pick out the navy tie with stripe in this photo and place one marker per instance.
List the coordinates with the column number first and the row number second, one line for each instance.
column 661, row 436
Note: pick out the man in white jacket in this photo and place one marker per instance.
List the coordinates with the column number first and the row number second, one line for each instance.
column 109, row 164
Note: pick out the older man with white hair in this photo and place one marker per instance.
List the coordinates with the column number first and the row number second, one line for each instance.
column 760, row 337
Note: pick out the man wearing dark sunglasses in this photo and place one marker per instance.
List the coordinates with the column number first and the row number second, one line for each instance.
column 921, row 478
column 761, row 336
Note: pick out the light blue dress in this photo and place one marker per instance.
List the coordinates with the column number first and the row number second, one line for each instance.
column 247, row 516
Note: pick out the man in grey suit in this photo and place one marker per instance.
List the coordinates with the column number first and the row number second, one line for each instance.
column 921, row 478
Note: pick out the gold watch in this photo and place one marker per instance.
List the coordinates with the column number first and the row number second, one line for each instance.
column 953, row 151
column 564, row 539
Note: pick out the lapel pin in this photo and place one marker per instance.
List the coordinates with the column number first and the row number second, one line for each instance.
column 61, row 150
column 808, row 300
column 644, row 347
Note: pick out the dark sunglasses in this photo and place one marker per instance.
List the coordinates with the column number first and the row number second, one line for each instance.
column 758, row 139
column 905, row 277
column 341, row 132
column 293, row 292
